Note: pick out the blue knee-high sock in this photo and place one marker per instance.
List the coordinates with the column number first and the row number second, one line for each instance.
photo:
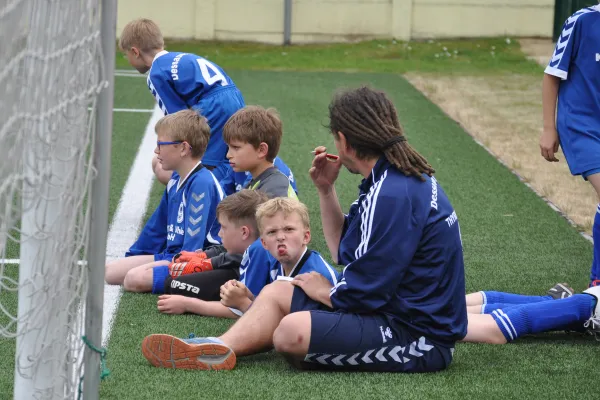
column 551, row 315
column 595, row 274
column 490, row 297
column 490, row 307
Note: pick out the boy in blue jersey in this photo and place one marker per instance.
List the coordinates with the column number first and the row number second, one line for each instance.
column 572, row 79
column 399, row 305
column 186, row 216
column 281, row 253
column 181, row 81
column 189, row 290
column 254, row 135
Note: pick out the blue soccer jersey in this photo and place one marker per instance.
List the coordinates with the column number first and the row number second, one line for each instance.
column 236, row 181
column 403, row 254
column 309, row 262
column 180, row 81
column 259, row 267
column 185, row 218
column 576, row 60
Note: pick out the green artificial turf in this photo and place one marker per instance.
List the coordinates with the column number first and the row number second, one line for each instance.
column 513, row 242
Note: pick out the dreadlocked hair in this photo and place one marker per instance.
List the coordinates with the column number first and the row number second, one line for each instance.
column 369, row 121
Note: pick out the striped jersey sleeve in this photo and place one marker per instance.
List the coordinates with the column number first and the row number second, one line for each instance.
column 567, row 45
column 369, row 282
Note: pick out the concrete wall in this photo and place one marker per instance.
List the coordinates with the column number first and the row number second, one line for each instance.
column 342, row 20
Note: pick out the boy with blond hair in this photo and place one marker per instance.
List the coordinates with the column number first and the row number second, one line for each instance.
column 186, row 216
column 280, row 254
column 194, row 280
column 181, row 81
column 254, row 135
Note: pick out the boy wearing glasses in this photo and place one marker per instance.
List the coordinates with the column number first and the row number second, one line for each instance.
column 186, row 216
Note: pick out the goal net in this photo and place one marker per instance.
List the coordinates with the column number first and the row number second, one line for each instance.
column 51, row 77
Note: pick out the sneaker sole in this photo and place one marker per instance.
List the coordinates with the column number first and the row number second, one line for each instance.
column 166, row 351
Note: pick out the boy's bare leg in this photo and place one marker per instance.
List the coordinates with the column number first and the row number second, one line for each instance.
column 139, row 279
column 482, row 328
column 474, row 299
column 117, row 269
column 253, row 332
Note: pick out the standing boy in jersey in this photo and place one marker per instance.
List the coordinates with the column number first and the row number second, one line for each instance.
column 573, row 79
column 180, row 81
column 281, row 252
column 186, row 216
column 400, row 303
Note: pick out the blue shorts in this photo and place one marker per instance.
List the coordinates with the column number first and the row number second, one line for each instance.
column 582, row 152
column 359, row 342
column 217, row 107
column 590, row 173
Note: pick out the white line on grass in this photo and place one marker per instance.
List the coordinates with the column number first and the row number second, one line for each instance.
column 133, row 110
column 129, row 73
column 128, row 217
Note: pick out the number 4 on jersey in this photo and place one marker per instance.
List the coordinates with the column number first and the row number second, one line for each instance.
column 216, row 76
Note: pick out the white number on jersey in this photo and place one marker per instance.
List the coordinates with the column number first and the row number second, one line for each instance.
column 205, row 65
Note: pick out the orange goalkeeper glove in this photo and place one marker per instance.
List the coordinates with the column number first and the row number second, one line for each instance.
column 185, row 256
column 190, row 267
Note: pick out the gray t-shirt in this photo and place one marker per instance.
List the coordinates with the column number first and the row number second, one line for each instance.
column 273, row 183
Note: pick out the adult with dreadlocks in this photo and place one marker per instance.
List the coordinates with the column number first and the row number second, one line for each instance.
column 400, row 304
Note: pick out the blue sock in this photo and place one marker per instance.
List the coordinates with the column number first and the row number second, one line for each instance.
column 490, row 307
column 511, row 298
column 595, row 274
column 159, row 276
column 546, row 316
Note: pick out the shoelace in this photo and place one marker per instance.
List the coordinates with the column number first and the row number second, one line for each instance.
column 593, row 325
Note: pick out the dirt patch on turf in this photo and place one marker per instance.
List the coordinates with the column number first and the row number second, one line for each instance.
column 538, row 50
column 505, row 114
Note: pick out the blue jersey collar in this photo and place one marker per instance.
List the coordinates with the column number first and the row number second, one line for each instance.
column 380, row 167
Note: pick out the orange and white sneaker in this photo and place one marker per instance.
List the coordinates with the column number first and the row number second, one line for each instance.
column 166, row 351
column 190, row 267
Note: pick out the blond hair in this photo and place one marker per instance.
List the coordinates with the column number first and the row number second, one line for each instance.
column 186, row 126
column 255, row 125
column 240, row 208
column 141, row 33
column 285, row 205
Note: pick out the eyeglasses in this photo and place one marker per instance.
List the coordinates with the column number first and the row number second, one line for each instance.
column 158, row 144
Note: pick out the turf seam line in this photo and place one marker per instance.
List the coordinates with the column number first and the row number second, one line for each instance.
column 523, row 180
column 128, row 217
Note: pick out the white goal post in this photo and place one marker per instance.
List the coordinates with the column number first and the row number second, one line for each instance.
column 56, row 98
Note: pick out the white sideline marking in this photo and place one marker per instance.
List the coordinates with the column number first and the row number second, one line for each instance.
column 129, row 73
column 128, row 217
column 133, row 110
column 16, row 261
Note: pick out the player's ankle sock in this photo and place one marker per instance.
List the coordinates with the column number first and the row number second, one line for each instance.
column 595, row 274
column 511, row 298
column 546, row 316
